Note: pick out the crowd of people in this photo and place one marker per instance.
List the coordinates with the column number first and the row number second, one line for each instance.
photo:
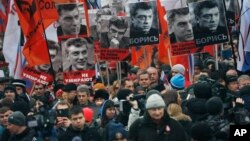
column 145, row 105
column 158, row 103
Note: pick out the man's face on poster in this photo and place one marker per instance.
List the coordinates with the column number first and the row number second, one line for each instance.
column 78, row 57
column 116, row 33
column 143, row 20
column 209, row 18
column 182, row 28
column 52, row 53
column 70, row 22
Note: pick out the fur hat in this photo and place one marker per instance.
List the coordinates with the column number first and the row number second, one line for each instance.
column 69, row 87
column 179, row 68
column 178, row 82
column 155, row 101
column 214, row 105
column 101, row 94
column 17, row 118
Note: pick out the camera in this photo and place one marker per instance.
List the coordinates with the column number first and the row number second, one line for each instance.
column 42, row 122
column 137, row 97
column 62, row 112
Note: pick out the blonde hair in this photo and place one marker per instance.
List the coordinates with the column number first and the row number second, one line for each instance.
column 175, row 111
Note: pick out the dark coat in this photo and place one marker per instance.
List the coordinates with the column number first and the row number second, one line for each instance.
column 144, row 129
column 26, row 135
column 87, row 134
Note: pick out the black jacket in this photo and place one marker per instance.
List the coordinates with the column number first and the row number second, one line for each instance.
column 26, row 135
column 87, row 134
column 144, row 129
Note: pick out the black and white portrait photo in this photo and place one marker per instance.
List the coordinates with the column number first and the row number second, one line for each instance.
column 72, row 20
column 180, row 25
column 144, row 28
column 209, row 22
column 117, row 34
column 77, row 54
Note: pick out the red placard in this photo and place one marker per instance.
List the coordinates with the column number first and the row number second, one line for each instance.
column 113, row 54
column 78, row 76
column 36, row 76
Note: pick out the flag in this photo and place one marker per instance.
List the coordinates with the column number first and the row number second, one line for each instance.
column 243, row 60
column 34, row 19
column 3, row 15
column 142, row 56
column 11, row 44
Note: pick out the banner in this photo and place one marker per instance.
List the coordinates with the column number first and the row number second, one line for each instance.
column 31, row 22
column 73, row 19
column 12, row 47
column 142, row 56
column 144, row 29
column 113, row 54
column 79, row 77
column 36, row 76
column 209, row 22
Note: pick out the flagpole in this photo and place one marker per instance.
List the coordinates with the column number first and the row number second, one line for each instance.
column 51, row 65
column 145, row 57
column 99, row 68
column 216, row 57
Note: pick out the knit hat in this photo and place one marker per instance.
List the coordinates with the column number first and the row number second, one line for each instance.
column 17, row 118
column 155, row 101
column 214, row 105
column 88, row 114
column 116, row 131
column 69, row 87
column 99, row 86
column 201, row 131
column 178, row 82
column 101, row 94
column 18, row 82
column 123, row 93
column 179, row 68
column 202, row 90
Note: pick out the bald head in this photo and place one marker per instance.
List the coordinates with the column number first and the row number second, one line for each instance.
column 153, row 73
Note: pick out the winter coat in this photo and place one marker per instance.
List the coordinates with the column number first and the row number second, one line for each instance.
column 144, row 129
column 26, row 135
column 87, row 134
